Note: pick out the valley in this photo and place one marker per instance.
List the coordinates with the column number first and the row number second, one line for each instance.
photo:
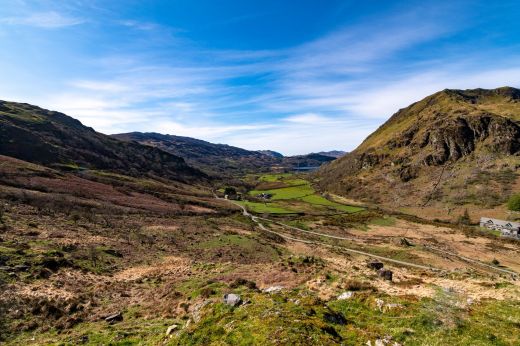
column 107, row 240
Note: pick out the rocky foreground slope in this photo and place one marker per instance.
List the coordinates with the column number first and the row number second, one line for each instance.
column 453, row 148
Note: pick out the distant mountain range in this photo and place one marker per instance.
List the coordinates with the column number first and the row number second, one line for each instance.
column 455, row 147
column 222, row 159
column 333, row 153
column 54, row 139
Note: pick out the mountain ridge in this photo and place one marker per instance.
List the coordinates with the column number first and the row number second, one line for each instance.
column 50, row 138
column 222, row 159
column 461, row 134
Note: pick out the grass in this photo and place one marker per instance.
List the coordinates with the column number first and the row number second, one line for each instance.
column 227, row 239
column 291, row 192
column 300, row 318
column 271, row 208
column 270, row 178
column 319, row 200
column 383, row 221
column 134, row 330
column 299, row 190
column 278, row 319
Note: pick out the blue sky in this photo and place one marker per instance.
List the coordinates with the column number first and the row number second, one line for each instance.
column 292, row 76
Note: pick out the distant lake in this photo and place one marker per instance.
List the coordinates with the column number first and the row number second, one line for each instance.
column 306, row 168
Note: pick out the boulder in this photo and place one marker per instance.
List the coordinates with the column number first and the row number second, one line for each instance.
column 345, row 295
column 386, row 274
column 171, row 329
column 273, row 289
column 118, row 317
column 405, row 242
column 376, row 265
column 232, row 299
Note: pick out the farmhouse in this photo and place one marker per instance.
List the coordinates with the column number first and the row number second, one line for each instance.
column 264, row 195
column 507, row 228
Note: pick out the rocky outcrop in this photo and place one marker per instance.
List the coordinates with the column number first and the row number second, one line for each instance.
column 449, row 129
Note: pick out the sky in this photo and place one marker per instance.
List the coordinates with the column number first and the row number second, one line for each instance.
column 295, row 76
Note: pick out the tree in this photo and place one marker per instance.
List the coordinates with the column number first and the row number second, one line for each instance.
column 514, row 202
column 465, row 219
column 230, row 191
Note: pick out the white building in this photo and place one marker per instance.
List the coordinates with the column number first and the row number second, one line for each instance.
column 507, row 228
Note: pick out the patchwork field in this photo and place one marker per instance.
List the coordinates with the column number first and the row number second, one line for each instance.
column 291, row 194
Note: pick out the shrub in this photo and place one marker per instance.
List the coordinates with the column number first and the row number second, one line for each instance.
column 514, row 202
column 464, row 219
column 230, row 191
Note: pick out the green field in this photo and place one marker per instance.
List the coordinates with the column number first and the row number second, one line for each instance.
column 299, row 190
column 291, row 192
column 271, row 208
column 270, row 178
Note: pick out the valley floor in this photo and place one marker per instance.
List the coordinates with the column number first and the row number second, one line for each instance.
column 102, row 259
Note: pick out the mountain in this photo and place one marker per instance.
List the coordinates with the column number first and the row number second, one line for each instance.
column 215, row 159
column 221, row 159
column 332, row 153
column 453, row 148
column 271, row 153
column 54, row 139
column 309, row 160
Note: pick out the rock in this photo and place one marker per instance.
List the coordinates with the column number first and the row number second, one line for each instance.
column 43, row 273
column 171, row 329
column 197, row 308
column 405, row 242
column 386, row 274
column 345, row 295
column 118, row 317
column 21, row 267
column 273, row 289
column 380, row 303
column 334, row 317
column 232, row 299
column 5, row 268
column 375, row 265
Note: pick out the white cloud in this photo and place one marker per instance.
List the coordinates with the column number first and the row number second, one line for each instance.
column 46, row 20
column 308, row 118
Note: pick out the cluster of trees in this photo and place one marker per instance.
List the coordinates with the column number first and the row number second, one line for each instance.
column 514, row 202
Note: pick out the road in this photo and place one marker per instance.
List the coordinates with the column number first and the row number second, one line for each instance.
column 347, row 249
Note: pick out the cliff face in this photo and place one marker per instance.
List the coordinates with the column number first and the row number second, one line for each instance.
column 462, row 134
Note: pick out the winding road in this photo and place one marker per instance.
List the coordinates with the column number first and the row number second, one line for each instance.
column 262, row 227
column 257, row 219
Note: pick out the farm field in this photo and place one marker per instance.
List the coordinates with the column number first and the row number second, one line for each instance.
column 293, row 194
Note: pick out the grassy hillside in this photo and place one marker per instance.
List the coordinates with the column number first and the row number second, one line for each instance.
column 161, row 256
column 453, row 149
column 37, row 135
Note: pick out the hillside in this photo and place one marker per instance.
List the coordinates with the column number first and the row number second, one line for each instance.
column 333, row 153
column 215, row 159
column 54, row 139
column 91, row 254
column 453, row 149
column 221, row 159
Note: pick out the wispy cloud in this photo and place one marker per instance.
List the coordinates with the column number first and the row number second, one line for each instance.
column 327, row 93
column 45, row 20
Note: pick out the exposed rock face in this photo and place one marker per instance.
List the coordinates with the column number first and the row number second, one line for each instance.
column 460, row 132
column 232, row 299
